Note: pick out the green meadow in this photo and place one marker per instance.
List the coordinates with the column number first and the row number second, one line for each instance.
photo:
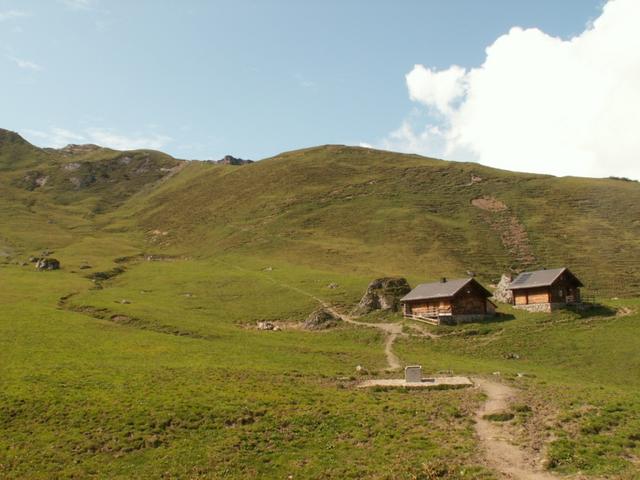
column 140, row 357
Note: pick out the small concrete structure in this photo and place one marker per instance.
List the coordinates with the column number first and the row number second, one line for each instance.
column 437, row 383
column 413, row 373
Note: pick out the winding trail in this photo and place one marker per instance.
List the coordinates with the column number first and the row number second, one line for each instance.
column 500, row 452
column 393, row 330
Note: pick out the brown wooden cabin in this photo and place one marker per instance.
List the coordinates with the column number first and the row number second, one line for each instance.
column 448, row 301
column 546, row 290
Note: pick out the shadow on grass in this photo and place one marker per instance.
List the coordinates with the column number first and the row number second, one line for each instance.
column 593, row 310
column 497, row 318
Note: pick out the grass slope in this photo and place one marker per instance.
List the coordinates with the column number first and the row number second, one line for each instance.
column 158, row 371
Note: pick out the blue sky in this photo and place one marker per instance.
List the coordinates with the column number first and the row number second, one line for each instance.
column 200, row 79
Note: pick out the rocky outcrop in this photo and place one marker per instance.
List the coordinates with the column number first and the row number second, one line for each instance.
column 74, row 149
column 321, row 319
column 230, row 160
column 47, row 264
column 383, row 294
column 502, row 293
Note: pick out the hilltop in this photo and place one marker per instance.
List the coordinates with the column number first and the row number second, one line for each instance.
column 350, row 208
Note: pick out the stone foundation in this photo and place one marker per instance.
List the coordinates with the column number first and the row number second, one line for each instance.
column 546, row 307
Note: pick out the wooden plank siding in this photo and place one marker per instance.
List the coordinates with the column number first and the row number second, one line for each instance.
column 429, row 307
column 469, row 301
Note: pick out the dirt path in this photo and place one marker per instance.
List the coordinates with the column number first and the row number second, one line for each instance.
column 393, row 330
column 511, row 461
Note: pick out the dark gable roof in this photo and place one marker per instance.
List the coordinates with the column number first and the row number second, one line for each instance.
column 540, row 278
column 426, row 291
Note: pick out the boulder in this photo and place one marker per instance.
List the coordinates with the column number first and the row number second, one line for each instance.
column 383, row 294
column 266, row 326
column 321, row 319
column 47, row 264
column 502, row 293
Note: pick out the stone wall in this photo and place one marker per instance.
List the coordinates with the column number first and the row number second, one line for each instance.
column 541, row 307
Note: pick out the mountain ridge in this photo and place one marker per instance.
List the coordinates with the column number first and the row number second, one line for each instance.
column 341, row 207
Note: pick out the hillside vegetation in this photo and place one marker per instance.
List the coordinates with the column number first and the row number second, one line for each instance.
column 140, row 358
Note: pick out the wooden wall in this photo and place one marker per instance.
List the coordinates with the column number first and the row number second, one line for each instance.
column 470, row 301
column 531, row 295
column 563, row 290
column 427, row 307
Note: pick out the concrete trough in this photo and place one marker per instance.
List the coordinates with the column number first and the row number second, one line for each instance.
column 430, row 382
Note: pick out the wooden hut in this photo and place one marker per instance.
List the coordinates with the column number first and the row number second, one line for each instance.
column 545, row 290
column 448, row 301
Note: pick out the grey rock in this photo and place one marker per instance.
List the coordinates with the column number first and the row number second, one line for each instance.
column 266, row 326
column 383, row 294
column 502, row 293
column 47, row 264
column 321, row 319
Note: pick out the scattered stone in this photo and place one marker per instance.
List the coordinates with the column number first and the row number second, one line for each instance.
column 266, row 326
column 124, row 301
column 512, row 356
column 333, row 285
column 321, row 319
column 47, row 264
column 497, row 374
column 268, row 269
column 502, row 293
column 70, row 167
column 383, row 294
column 85, row 266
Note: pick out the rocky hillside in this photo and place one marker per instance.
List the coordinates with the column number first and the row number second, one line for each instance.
column 334, row 207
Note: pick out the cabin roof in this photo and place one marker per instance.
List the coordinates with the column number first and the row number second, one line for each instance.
column 447, row 289
column 540, row 278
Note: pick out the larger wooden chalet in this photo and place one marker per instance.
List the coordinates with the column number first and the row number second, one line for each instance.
column 545, row 290
column 448, row 301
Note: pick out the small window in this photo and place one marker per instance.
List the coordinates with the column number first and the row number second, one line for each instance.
column 561, row 292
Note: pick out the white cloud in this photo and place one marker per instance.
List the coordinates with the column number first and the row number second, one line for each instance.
column 438, row 89
column 539, row 103
column 11, row 14
column 25, row 64
column 108, row 138
column 59, row 137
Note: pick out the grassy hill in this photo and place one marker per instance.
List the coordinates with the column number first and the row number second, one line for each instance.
column 388, row 213
column 140, row 357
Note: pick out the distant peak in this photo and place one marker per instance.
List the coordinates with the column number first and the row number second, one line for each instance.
column 231, row 160
column 74, row 149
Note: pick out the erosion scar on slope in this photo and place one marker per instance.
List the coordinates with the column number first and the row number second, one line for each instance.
column 505, row 223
